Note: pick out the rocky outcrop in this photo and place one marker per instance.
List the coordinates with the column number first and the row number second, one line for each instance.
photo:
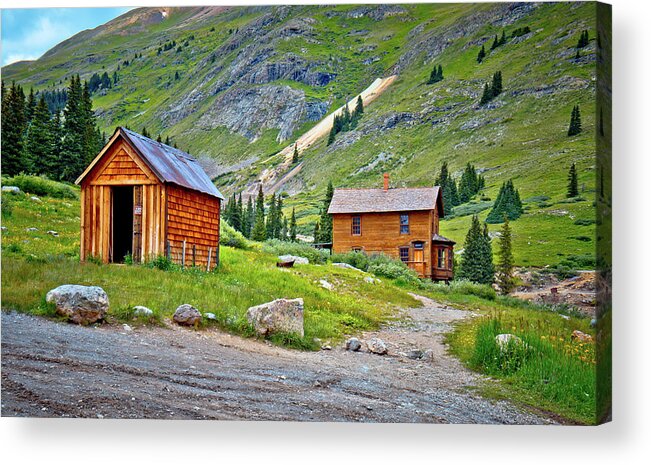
column 281, row 315
column 251, row 110
column 83, row 305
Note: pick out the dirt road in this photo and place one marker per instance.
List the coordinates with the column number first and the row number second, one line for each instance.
column 52, row 369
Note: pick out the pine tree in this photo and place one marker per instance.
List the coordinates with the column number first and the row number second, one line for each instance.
column 333, row 132
column 167, row 140
column 39, row 143
column 52, row 164
column 359, row 107
column 496, row 43
column 503, row 38
column 572, row 182
column 507, row 203
column 325, row 222
column 14, row 124
column 496, row 88
column 292, row 226
column 236, row 214
column 449, row 189
column 481, row 55
column 477, row 259
column 505, row 263
column 159, row 139
column 486, row 96
column 469, row 184
column 144, row 132
column 30, row 106
column 436, row 75
column 584, row 40
column 575, row 122
column 259, row 232
column 248, row 217
column 295, row 156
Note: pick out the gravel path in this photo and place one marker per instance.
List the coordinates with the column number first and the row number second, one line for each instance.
column 51, row 369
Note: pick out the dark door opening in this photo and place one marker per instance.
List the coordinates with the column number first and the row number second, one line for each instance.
column 122, row 222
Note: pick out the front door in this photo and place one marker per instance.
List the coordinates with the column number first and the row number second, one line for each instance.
column 419, row 262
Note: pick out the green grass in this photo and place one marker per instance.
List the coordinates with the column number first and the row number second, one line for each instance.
column 551, row 374
column 34, row 262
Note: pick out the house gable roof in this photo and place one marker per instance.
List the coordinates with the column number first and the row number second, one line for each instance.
column 170, row 165
column 381, row 201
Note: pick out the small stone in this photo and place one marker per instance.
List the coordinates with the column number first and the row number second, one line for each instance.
column 3, row 228
column 35, row 199
column 326, row 285
column 209, row 316
column 415, row 354
column 353, row 344
column 317, row 384
column 326, row 347
column 504, row 340
column 53, row 233
column 294, row 258
column 369, row 279
column 593, row 323
column 127, row 327
column 31, row 229
column 581, row 336
column 283, row 377
column 565, row 317
column 377, row 346
column 11, row 189
column 139, row 310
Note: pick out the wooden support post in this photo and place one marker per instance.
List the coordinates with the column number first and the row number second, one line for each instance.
column 183, row 256
column 209, row 257
column 194, row 255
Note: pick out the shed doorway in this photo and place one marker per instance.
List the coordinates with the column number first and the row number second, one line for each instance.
column 122, row 223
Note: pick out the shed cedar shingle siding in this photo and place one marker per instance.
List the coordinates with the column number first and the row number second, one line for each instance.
column 381, row 229
column 174, row 200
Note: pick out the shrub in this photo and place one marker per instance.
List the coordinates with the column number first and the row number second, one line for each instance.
column 463, row 287
column 471, row 208
column 42, row 186
column 357, row 259
column 393, row 271
column 488, row 355
column 232, row 237
column 586, row 261
column 582, row 238
column 7, row 206
column 584, row 221
column 162, row 263
column 378, row 264
column 278, row 247
column 537, row 199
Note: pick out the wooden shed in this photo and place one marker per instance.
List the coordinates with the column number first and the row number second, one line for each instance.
column 145, row 199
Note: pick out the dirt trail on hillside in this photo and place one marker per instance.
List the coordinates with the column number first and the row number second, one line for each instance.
column 52, row 369
column 273, row 178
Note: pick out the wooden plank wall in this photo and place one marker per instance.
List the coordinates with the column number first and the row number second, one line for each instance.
column 95, row 222
column 381, row 234
column 193, row 217
column 153, row 221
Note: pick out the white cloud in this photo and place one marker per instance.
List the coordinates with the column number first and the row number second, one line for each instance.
column 45, row 35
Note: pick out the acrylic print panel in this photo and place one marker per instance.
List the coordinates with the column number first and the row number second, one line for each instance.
column 347, row 213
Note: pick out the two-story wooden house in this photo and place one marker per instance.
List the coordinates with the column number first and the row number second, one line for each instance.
column 402, row 223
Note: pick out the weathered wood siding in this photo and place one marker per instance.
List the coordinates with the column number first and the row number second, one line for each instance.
column 192, row 217
column 120, row 166
column 95, row 222
column 381, row 234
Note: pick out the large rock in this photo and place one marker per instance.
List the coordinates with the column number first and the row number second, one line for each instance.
column 187, row 315
column 346, row 265
column 376, row 346
column 83, row 305
column 281, row 315
column 294, row 258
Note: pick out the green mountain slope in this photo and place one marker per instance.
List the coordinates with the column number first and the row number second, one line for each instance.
column 251, row 80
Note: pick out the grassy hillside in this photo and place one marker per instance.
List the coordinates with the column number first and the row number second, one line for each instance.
column 223, row 56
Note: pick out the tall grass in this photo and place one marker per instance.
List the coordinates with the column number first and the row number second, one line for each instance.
column 39, row 185
column 545, row 363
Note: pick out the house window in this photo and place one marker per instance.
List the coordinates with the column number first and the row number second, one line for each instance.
column 450, row 260
column 404, row 254
column 357, row 226
column 441, row 260
column 404, row 224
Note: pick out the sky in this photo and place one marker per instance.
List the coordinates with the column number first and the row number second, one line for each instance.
column 29, row 33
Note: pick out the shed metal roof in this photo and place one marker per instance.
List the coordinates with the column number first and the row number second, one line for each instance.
column 380, row 201
column 168, row 163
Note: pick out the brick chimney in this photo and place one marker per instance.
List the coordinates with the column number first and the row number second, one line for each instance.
column 386, row 182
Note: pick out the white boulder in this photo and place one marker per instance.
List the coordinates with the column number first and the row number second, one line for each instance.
column 80, row 304
column 280, row 315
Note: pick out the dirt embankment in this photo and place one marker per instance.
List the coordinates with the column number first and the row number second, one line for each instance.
column 578, row 291
column 51, row 369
